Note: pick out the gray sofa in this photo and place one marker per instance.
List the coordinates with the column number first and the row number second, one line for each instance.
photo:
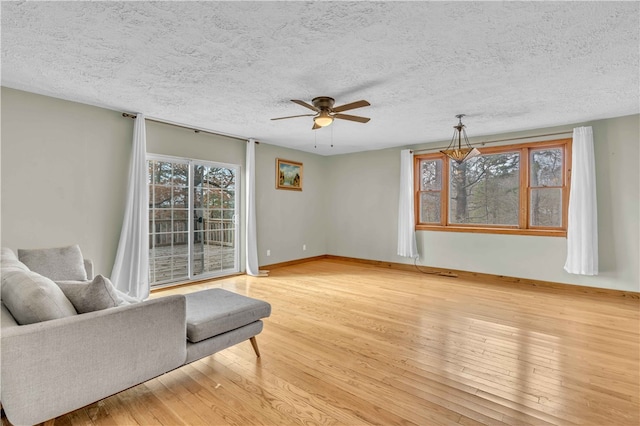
column 58, row 364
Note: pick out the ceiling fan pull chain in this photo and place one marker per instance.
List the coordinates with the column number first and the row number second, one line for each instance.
column 332, row 136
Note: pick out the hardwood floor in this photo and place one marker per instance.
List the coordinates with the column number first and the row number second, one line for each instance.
column 353, row 344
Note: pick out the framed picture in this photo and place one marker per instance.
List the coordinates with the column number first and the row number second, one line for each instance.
column 288, row 175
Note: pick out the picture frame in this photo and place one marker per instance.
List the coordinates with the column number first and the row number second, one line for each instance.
column 288, row 175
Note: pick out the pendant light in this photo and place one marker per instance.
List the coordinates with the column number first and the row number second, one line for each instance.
column 458, row 153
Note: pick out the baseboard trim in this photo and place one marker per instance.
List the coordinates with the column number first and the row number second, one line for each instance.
column 450, row 273
column 293, row 262
column 490, row 278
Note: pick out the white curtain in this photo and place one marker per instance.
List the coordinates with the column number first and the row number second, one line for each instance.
column 406, row 223
column 251, row 240
column 130, row 272
column 582, row 231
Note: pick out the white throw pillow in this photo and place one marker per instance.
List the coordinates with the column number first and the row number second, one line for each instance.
column 32, row 298
column 89, row 296
column 59, row 263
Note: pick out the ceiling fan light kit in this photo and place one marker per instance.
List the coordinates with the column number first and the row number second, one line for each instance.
column 326, row 113
column 324, row 119
column 458, row 153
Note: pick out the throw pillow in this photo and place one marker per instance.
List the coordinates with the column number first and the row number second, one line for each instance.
column 89, row 296
column 32, row 298
column 60, row 263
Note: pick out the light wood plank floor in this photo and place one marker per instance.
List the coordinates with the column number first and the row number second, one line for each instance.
column 352, row 344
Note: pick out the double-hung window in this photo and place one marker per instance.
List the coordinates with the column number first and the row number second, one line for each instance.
column 514, row 189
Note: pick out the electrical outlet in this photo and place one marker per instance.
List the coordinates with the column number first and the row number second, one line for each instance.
column 304, row 247
column 268, row 252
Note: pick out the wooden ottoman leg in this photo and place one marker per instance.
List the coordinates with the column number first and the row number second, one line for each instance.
column 254, row 343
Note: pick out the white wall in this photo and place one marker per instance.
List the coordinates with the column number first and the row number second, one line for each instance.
column 363, row 194
column 286, row 219
column 176, row 141
column 64, row 170
column 362, row 205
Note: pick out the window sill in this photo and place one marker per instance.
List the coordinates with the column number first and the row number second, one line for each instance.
column 489, row 230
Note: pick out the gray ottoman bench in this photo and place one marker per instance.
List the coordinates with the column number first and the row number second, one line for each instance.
column 218, row 319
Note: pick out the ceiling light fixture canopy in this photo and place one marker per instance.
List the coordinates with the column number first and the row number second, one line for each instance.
column 460, row 154
column 323, row 119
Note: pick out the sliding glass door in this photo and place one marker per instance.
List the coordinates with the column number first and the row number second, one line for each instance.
column 214, row 213
column 193, row 212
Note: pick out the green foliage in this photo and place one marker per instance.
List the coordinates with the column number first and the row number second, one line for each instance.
column 485, row 190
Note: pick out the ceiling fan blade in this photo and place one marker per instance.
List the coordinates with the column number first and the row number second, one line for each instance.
column 352, row 118
column 304, row 104
column 315, row 126
column 294, row 116
column 352, row 105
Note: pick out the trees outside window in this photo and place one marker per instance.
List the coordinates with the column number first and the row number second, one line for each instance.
column 508, row 189
column 192, row 219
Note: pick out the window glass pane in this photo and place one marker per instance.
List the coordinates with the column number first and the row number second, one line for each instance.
column 198, row 175
column 227, row 178
column 162, row 172
column 485, row 190
column 431, row 175
column 180, row 214
column 228, row 200
column 181, row 174
column 198, row 218
column 198, row 195
column 161, row 197
column 179, row 266
column 546, row 167
column 430, row 207
column 546, row 207
column 217, row 177
column 180, row 240
column 228, row 257
column 180, row 197
column 162, row 214
column 198, row 242
column 214, row 199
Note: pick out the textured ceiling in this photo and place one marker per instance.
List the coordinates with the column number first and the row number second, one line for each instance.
column 231, row 66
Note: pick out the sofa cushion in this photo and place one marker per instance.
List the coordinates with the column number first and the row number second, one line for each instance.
column 60, row 263
column 8, row 259
column 6, row 319
column 215, row 311
column 89, row 296
column 32, row 298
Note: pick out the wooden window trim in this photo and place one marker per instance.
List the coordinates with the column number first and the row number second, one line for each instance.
column 523, row 227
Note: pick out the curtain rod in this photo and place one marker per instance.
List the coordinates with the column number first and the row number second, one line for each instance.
column 497, row 140
column 127, row 115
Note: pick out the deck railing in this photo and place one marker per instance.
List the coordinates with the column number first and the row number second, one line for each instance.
column 166, row 232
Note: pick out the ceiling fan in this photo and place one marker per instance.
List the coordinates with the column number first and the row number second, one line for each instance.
column 326, row 113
